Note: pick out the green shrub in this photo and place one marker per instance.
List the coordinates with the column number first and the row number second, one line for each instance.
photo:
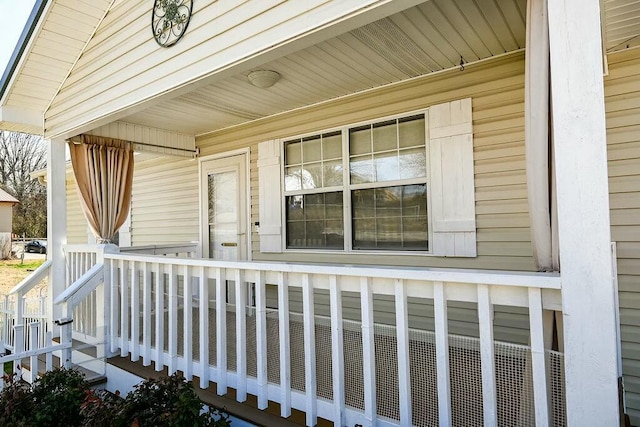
column 53, row 400
column 16, row 403
column 167, row 401
column 57, row 396
column 62, row 398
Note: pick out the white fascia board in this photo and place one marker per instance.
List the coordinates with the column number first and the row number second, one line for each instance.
column 20, row 118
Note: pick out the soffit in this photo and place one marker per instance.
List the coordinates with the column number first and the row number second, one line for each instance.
column 622, row 24
column 427, row 38
column 59, row 41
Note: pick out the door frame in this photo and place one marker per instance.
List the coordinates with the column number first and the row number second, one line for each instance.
column 202, row 197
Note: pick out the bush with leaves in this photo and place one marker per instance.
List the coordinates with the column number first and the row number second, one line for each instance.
column 53, row 400
column 16, row 403
column 167, row 401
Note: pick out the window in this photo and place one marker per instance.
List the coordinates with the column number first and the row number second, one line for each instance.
column 385, row 185
column 404, row 184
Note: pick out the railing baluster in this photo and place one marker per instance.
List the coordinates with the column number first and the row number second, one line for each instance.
column 187, row 335
column 146, row 310
column 261, row 341
column 33, row 360
column 114, row 286
column 221, row 331
column 204, row 328
column 18, row 348
column 404, row 361
column 285, row 358
column 159, row 362
column 442, row 354
column 241, row 334
column 337, row 350
column 135, row 312
column 539, row 370
column 124, row 309
column 173, row 320
column 485, row 320
column 368, row 351
column 309, row 351
column 48, row 341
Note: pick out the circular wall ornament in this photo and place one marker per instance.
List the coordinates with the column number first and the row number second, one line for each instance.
column 169, row 20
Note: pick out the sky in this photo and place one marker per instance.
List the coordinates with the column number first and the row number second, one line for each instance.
column 13, row 16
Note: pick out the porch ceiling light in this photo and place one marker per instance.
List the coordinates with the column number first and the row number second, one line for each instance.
column 263, row 78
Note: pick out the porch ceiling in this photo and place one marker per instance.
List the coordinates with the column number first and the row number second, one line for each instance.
column 430, row 37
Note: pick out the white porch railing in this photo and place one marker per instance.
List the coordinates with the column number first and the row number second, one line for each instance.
column 24, row 306
column 199, row 317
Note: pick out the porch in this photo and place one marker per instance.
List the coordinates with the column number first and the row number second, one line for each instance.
column 312, row 337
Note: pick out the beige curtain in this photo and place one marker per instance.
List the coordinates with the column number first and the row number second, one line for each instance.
column 103, row 168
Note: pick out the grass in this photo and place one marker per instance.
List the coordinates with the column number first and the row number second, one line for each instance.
column 12, row 272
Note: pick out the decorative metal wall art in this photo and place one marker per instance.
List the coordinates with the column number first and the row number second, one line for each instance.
column 169, row 20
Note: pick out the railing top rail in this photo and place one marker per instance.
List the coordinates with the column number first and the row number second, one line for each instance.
column 83, row 286
column 487, row 277
column 162, row 249
column 32, row 279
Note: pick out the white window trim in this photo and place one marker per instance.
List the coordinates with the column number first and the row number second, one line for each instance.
column 347, row 187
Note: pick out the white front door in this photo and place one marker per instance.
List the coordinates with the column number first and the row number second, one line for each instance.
column 224, row 208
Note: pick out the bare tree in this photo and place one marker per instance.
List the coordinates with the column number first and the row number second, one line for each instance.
column 21, row 154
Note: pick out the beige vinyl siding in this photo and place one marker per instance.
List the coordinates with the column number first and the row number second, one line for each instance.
column 6, row 217
column 165, row 203
column 622, row 103
column 123, row 65
column 77, row 227
column 497, row 91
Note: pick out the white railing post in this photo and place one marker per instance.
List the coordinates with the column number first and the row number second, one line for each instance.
column 403, row 354
column 368, row 352
column 285, row 350
column 261, row 341
column 221, row 331
column 337, row 350
column 103, row 303
column 56, row 221
column 204, row 328
column 487, row 357
column 241, row 334
column 187, row 344
column 309, row 351
column 539, row 370
column 33, row 360
column 442, row 354
column 18, row 346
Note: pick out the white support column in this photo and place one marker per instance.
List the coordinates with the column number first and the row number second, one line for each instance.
column 583, row 212
column 56, row 222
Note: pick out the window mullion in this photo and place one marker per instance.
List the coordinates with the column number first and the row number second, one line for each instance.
column 346, row 194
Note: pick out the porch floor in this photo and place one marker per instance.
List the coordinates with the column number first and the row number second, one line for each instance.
column 248, row 410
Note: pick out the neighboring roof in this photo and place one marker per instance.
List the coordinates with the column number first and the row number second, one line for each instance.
column 6, row 197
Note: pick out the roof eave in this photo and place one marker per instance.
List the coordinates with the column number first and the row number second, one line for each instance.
column 21, row 46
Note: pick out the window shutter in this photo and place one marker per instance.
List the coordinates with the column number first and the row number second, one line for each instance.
column 453, row 214
column 270, row 196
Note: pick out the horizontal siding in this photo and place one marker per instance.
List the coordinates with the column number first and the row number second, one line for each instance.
column 165, row 202
column 123, row 65
column 6, row 217
column 622, row 103
column 498, row 112
column 501, row 199
column 76, row 222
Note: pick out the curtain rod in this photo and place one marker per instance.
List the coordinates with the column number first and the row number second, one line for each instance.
column 76, row 140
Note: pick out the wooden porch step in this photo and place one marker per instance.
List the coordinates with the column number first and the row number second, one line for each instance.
column 93, row 378
column 248, row 410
